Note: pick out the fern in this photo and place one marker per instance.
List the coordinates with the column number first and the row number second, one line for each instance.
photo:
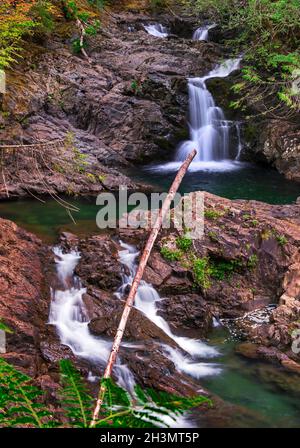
column 19, row 400
column 20, row 403
column 76, row 400
column 145, row 409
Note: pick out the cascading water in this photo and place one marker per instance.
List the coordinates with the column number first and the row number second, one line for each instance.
column 201, row 33
column 239, row 140
column 156, row 30
column 68, row 314
column 146, row 301
column 209, row 129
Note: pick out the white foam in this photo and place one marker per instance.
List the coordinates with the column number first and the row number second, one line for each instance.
column 213, row 166
column 69, row 315
column 156, row 30
column 146, row 301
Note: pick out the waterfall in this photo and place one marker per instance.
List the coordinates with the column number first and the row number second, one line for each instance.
column 240, row 145
column 69, row 315
column 156, row 30
column 209, row 129
column 146, row 301
column 201, row 33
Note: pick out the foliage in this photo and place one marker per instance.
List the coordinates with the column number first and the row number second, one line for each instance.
column 170, row 254
column 21, row 402
column 184, row 243
column 202, row 272
column 136, row 87
column 147, row 409
column 42, row 14
column 14, row 24
column 76, row 400
column 282, row 240
column 20, row 19
column 4, row 327
column 267, row 33
column 157, row 4
column 252, row 261
column 77, row 46
column 212, row 214
column 98, row 3
column 221, row 269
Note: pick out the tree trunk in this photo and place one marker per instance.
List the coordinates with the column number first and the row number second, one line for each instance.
column 138, row 276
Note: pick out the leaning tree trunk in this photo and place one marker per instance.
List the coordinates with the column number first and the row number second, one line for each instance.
column 138, row 276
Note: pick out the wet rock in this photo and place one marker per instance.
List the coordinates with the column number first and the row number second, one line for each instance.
column 253, row 253
column 279, row 378
column 276, row 142
column 25, row 297
column 153, row 369
column 99, row 264
column 139, row 327
column 124, row 108
column 187, row 314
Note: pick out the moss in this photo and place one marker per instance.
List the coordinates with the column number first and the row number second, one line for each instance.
column 181, row 134
column 250, row 132
column 184, row 243
column 212, row 214
column 171, row 254
column 222, row 269
column 252, row 261
column 202, row 271
column 163, row 143
column 213, row 236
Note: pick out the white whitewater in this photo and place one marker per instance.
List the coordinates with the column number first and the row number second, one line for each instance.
column 68, row 314
column 239, row 139
column 209, row 129
column 201, row 33
column 146, row 301
column 156, row 30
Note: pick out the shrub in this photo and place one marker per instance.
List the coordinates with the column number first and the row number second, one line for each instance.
column 267, row 33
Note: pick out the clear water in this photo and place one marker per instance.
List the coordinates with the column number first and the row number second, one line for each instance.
column 256, row 387
column 49, row 219
column 250, row 385
column 233, row 180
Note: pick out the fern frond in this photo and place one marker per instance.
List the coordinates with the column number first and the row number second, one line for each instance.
column 145, row 409
column 75, row 398
column 19, row 400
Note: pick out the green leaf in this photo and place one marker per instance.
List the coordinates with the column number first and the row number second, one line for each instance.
column 76, row 400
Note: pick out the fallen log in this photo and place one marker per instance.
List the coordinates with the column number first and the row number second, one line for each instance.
column 138, row 276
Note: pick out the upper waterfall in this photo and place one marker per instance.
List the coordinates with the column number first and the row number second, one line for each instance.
column 209, row 129
column 201, row 33
column 156, row 30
